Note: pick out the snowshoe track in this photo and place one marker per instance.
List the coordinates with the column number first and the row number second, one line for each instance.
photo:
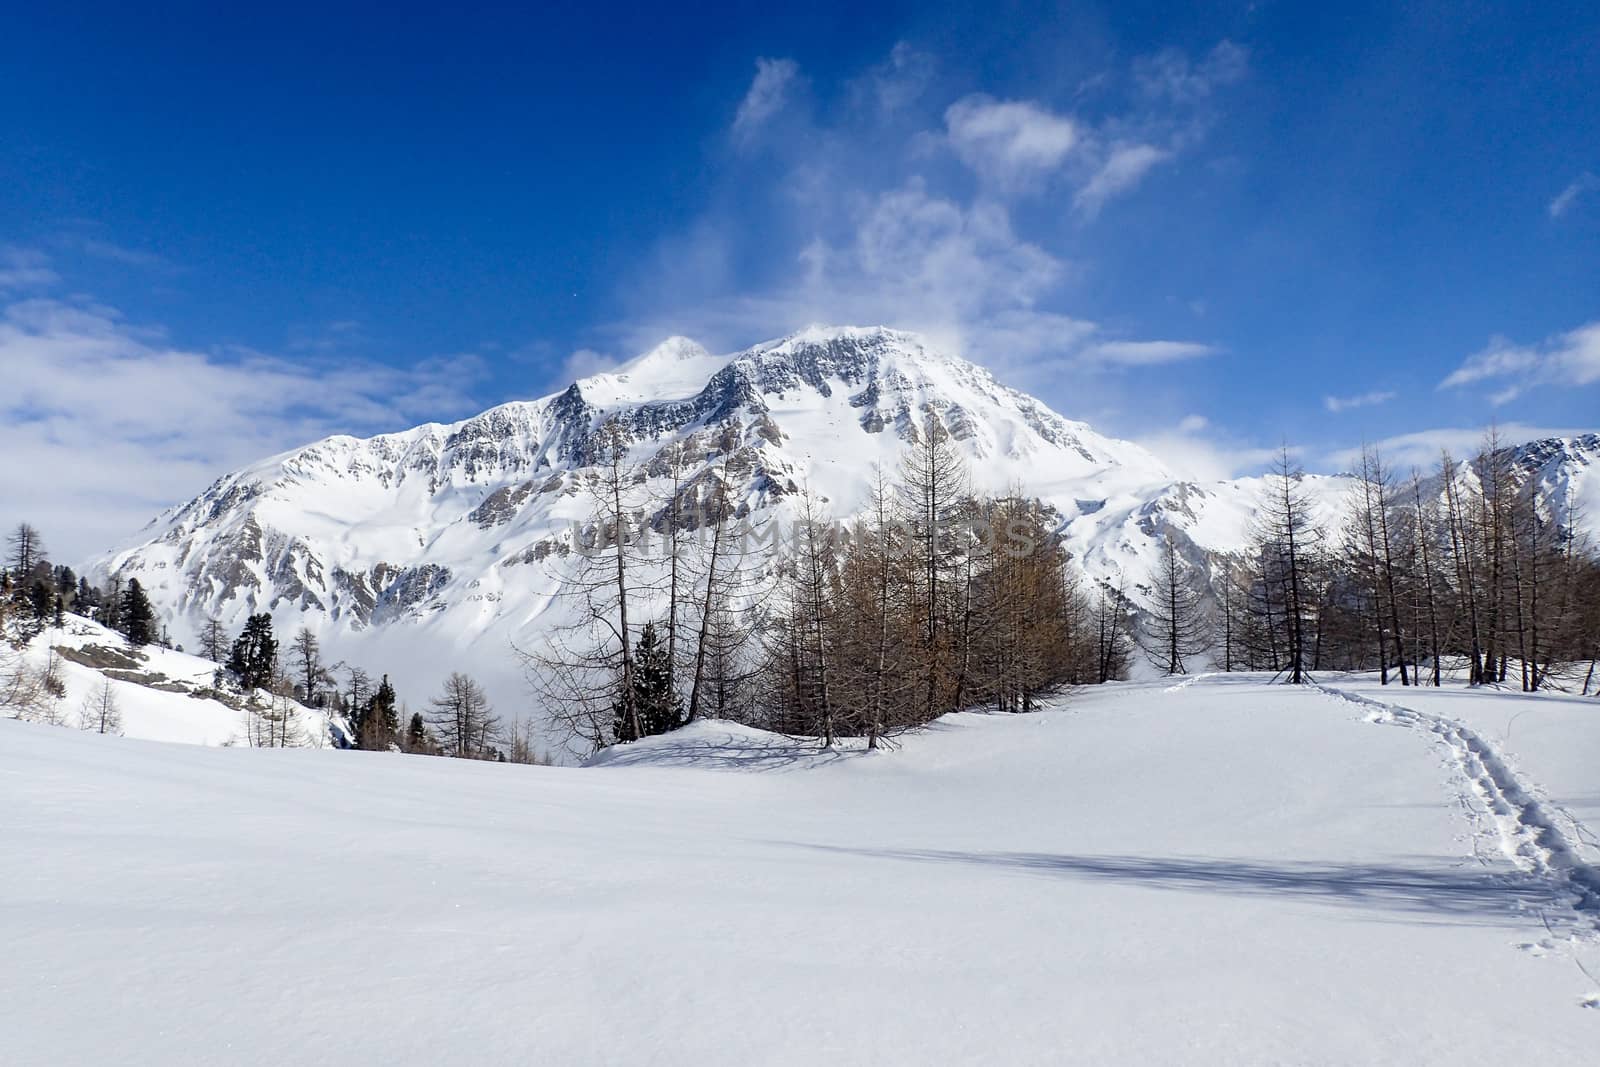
column 1527, row 830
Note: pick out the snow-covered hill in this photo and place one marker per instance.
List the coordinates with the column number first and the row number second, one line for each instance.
column 1242, row 874
column 435, row 549
column 159, row 694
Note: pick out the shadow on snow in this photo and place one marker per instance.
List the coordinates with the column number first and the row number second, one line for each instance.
column 1464, row 895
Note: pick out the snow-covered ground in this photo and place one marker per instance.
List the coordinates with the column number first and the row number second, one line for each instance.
column 1218, row 872
column 1549, row 743
column 158, row 691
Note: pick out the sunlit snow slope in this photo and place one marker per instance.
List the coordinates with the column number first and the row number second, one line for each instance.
column 1219, row 873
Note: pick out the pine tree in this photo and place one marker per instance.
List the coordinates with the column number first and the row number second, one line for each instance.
column 138, row 617
column 660, row 710
column 417, row 735
column 378, row 722
column 254, row 658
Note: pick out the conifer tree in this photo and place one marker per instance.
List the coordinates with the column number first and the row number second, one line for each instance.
column 378, row 722
column 138, row 617
column 417, row 735
column 254, row 658
column 660, row 710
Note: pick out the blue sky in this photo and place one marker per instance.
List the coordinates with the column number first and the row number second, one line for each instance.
column 1207, row 227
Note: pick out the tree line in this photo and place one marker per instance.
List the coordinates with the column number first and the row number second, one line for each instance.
column 935, row 599
column 1469, row 569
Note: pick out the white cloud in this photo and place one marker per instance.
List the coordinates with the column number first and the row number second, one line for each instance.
column 1010, row 142
column 1571, row 359
column 1422, row 448
column 899, row 80
column 1336, row 404
column 582, row 363
column 768, row 93
column 1566, row 198
column 1171, row 75
column 128, row 257
column 876, row 220
column 1193, row 453
column 1147, row 353
column 25, row 268
column 103, row 424
column 1124, row 167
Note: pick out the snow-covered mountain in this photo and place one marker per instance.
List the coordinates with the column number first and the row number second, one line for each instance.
column 436, row 548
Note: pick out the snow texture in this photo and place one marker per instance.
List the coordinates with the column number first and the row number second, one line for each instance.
column 1216, row 872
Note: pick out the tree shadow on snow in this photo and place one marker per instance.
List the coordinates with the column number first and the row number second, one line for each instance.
column 745, row 753
column 1450, row 895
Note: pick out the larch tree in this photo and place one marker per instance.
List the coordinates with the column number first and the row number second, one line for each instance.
column 26, row 549
column 462, row 719
column 101, row 711
column 1176, row 627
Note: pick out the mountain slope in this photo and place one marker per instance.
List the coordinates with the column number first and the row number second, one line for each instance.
column 450, row 541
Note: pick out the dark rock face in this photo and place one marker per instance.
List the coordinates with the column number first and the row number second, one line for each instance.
column 500, row 506
column 410, row 592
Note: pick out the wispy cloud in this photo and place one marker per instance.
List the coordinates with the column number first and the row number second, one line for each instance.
column 1124, row 167
column 1171, row 75
column 1012, row 143
column 25, row 268
column 104, row 423
column 1337, row 404
column 1146, row 353
column 121, row 254
column 899, row 80
column 582, row 363
column 1422, row 448
column 1570, row 359
column 768, row 92
column 1567, row 198
column 877, row 218
column 1197, row 451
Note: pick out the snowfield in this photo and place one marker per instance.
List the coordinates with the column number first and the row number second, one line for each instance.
column 154, row 696
column 1220, row 871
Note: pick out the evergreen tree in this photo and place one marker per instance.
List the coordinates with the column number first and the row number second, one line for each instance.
column 254, row 658
column 138, row 617
column 378, row 721
column 657, row 705
column 417, row 735
column 111, row 606
column 41, row 599
column 660, row 710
